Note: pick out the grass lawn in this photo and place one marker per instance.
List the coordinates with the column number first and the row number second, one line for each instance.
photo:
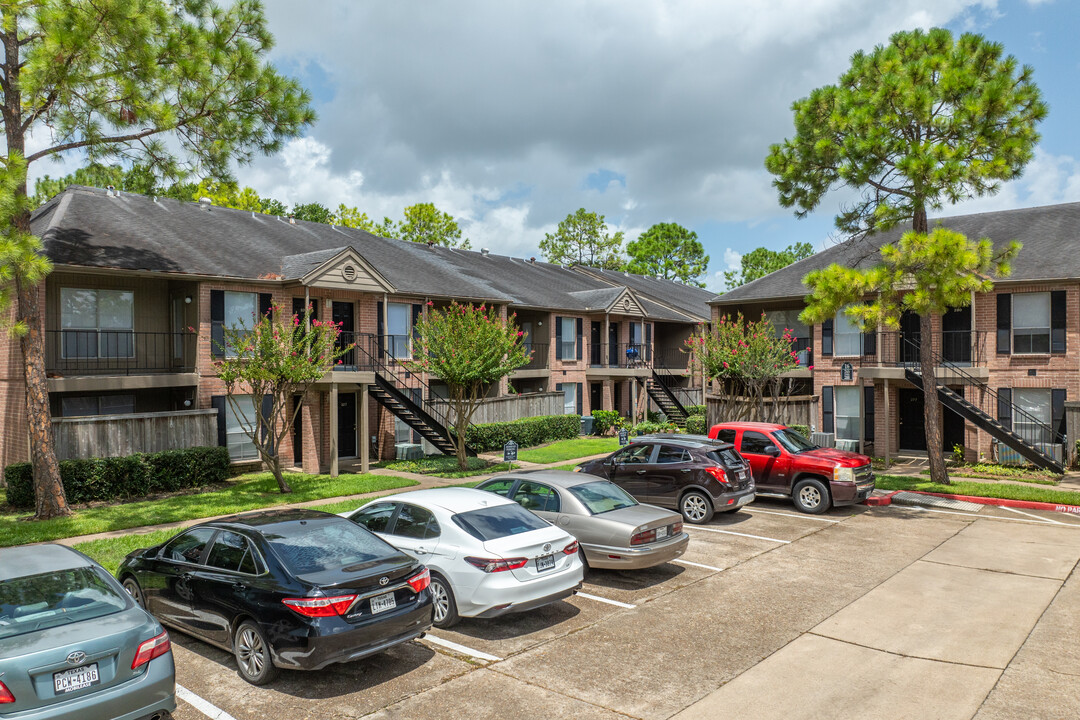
column 1003, row 472
column 990, row 490
column 110, row 551
column 569, row 467
column 569, row 449
column 248, row 492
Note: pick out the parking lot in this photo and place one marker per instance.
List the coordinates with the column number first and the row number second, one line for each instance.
column 769, row 614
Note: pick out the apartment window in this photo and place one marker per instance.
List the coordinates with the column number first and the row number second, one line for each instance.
column 847, row 339
column 568, row 347
column 97, row 323
column 847, row 413
column 569, row 391
column 1037, row 415
column 241, row 309
column 399, row 319
column 241, row 446
column 97, row 405
column 1031, row 322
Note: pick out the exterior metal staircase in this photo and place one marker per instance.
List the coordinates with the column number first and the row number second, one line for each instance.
column 663, row 396
column 1027, row 444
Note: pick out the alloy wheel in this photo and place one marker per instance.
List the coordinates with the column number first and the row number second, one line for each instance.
column 251, row 652
column 810, row 496
column 132, row 588
column 694, row 508
column 440, row 599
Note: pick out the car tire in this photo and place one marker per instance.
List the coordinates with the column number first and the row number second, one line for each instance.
column 811, row 496
column 696, row 507
column 443, row 603
column 585, row 567
column 132, row 586
column 252, row 652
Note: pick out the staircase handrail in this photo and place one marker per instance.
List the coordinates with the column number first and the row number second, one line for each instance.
column 669, row 391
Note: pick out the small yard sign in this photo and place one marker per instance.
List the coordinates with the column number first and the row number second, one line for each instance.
column 510, row 451
column 624, row 437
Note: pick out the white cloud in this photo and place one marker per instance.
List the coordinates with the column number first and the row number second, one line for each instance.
column 1047, row 180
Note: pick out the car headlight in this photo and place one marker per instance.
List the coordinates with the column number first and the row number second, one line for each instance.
column 842, row 474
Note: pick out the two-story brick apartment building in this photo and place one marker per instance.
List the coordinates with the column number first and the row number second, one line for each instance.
column 1011, row 359
column 143, row 287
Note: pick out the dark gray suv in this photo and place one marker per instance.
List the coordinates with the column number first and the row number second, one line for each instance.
column 690, row 473
column 73, row 644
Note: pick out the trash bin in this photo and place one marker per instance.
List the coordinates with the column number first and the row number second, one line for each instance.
column 587, row 424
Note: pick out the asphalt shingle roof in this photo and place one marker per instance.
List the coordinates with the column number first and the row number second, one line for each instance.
column 1049, row 235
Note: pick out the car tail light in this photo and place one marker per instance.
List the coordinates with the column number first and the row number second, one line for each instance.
column 420, row 580
column 643, row 537
column 494, row 565
column 152, row 648
column 676, row 528
column 719, row 473
column 571, row 548
column 320, row 606
column 5, row 694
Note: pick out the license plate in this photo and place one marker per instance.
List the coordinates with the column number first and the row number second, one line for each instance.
column 744, row 500
column 661, row 533
column 76, row 679
column 382, row 603
column 545, row 562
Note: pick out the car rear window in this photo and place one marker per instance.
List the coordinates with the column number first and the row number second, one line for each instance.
column 312, row 547
column 496, row 522
column 728, row 458
column 602, row 497
column 37, row 602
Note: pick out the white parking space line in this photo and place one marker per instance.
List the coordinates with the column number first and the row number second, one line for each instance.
column 461, row 649
column 204, row 706
column 729, row 532
column 697, row 565
column 790, row 515
column 1042, row 519
column 597, row 598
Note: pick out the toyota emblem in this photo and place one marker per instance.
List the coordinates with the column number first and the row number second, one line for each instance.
column 547, row 547
column 76, row 658
column 383, row 580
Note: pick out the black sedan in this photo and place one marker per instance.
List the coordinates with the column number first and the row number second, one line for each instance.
column 296, row 589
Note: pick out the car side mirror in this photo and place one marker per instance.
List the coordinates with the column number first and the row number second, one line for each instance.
column 772, row 450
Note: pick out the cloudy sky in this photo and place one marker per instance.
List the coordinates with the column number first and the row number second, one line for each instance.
column 510, row 115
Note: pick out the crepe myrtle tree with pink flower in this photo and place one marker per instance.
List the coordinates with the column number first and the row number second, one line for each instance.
column 470, row 347
column 747, row 360
column 279, row 357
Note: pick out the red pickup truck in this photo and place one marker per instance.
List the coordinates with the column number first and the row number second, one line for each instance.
column 786, row 464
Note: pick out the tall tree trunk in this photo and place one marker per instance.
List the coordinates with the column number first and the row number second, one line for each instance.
column 935, row 441
column 275, row 467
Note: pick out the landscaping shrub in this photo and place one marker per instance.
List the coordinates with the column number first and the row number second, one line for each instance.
column 803, row 430
column 695, row 409
column 648, row 428
column 696, row 425
column 604, row 420
column 90, row 479
column 526, row 432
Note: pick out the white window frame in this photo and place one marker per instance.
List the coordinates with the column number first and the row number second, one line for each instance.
column 851, row 428
column 235, row 436
column 842, row 320
column 570, row 322
column 399, row 345
column 1023, row 298
column 236, row 322
column 1039, row 404
column 110, row 332
column 569, row 391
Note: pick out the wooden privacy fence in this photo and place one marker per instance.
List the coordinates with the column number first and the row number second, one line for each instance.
column 792, row 410
column 120, row 435
column 515, row 407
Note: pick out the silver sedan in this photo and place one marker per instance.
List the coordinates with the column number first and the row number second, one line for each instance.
column 613, row 529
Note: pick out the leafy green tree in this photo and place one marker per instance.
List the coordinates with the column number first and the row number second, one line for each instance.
column 174, row 85
column 313, row 212
column 270, row 206
column 425, row 223
column 668, row 251
column 583, row 239
column 351, row 217
column 136, row 179
column 762, row 261
column 470, row 348
column 280, row 356
column 228, row 194
column 920, row 122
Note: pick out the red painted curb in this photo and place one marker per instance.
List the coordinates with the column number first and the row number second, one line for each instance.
column 1025, row 504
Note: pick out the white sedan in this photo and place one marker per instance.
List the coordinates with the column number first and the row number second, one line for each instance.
column 488, row 556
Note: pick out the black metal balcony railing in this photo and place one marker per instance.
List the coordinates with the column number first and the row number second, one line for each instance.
column 671, row 358
column 801, row 347
column 627, row 355
column 118, row 352
column 539, row 360
column 960, row 347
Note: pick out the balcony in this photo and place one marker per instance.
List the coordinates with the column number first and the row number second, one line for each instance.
column 90, row 360
column 538, row 364
column 620, row 358
column 896, row 351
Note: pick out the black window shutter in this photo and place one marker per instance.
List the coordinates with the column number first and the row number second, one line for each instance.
column 1057, row 321
column 218, row 402
column 417, row 311
column 266, row 300
column 558, row 338
column 648, row 342
column 580, row 406
column 380, row 328
column 869, row 343
column 580, row 332
column 1005, row 407
column 267, row 408
column 217, row 323
column 827, row 409
column 1057, row 404
column 868, row 413
column 826, row 341
column 1004, row 323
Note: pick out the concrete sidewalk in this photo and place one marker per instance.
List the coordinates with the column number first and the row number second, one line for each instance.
column 955, row 634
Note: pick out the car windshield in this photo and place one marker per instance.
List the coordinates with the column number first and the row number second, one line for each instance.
column 37, row 602
column 602, row 497
column 792, row 441
column 314, row 547
column 500, row 521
